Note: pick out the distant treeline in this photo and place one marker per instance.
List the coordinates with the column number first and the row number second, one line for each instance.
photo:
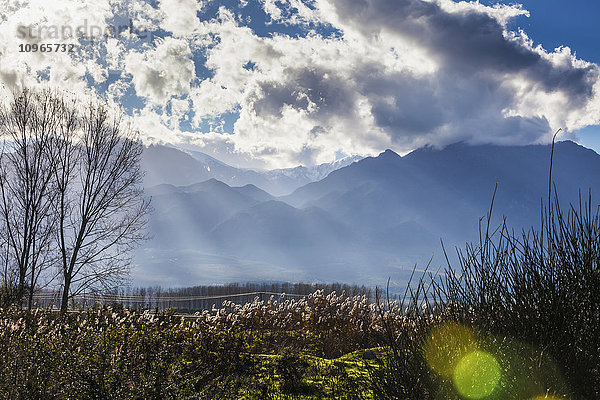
column 204, row 297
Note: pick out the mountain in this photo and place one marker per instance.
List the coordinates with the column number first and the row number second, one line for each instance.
column 280, row 232
column 362, row 223
column 203, row 232
column 211, row 225
column 168, row 165
column 446, row 190
column 444, row 193
column 306, row 175
column 184, row 216
column 254, row 192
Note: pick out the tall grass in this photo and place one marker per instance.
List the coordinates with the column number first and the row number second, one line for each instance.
column 529, row 298
column 259, row 350
column 541, row 286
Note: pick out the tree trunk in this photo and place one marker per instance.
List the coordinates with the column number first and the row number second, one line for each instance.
column 20, row 290
column 64, row 304
column 31, row 289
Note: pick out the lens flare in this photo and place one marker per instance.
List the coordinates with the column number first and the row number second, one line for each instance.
column 446, row 346
column 477, row 375
column 544, row 397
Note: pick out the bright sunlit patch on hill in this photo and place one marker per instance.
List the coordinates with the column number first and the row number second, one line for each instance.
column 477, row 375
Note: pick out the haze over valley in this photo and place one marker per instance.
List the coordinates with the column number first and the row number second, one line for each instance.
column 363, row 222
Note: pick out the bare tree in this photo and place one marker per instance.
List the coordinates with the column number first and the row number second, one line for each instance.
column 8, row 278
column 100, row 205
column 26, row 192
column 70, row 195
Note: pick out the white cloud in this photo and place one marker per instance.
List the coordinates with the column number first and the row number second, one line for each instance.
column 502, row 13
column 38, row 22
column 164, row 71
column 211, row 99
column 411, row 73
column 180, row 16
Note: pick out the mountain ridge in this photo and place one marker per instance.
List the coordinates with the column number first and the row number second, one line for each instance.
column 165, row 164
column 366, row 221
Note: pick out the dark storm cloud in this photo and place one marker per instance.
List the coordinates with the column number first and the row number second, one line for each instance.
column 320, row 92
column 470, row 42
column 445, row 108
column 403, row 101
column 471, row 94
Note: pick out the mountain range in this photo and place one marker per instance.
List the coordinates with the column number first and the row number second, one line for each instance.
column 362, row 223
column 165, row 164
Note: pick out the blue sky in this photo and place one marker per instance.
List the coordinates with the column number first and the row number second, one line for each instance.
column 277, row 83
column 554, row 23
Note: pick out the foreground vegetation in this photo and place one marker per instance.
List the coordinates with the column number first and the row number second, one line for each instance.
column 518, row 318
column 304, row 349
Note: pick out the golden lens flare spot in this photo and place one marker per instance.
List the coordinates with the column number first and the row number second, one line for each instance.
column 477, row 375
column 446, row 345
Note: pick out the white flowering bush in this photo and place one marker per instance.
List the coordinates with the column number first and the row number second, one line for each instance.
column 119, row 353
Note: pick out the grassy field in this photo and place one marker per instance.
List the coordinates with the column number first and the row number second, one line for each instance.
column 319, row 347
